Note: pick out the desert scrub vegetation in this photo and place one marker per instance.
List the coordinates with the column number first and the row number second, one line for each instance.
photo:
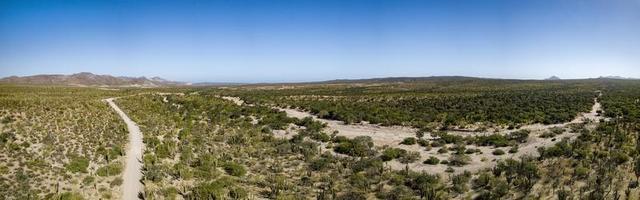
column 202, row 146
column 440, row 107
column 436, row 104
column 219, row 149
column 55, row 140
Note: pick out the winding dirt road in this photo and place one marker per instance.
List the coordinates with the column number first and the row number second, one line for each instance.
column 133, row 167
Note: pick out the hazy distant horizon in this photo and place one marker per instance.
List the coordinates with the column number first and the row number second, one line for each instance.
column 330, row 79
column 253, row 41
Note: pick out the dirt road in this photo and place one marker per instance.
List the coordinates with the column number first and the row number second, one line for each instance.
column 133, row 167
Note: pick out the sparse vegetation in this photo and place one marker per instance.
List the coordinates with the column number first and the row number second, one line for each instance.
column 67, row 144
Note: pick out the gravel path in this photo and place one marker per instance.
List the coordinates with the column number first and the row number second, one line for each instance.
column 133, row 167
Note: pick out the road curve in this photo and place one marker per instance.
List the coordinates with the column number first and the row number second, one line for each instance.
column 132, row 175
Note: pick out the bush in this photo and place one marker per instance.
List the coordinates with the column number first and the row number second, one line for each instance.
column 423, row 142
column 432, row 161
column 498, row 152
column 352, row 195
column 619, row 157
column 471, row 151
column 68, row 196
column 366, row 163
column 321, row 136
column 319, row 164
column 513, row 149
column 409, row 157
column 492, row 140
column 211, row 190
column 449, row 170
column 556, row 130
column 88, row 180
column 519, row 136
column 116, row 182
column 436, row 144
column 234, row 169
column 562, row 148
column 553, row 131
column 459, row 160
column 449, row 138
column 110, row 170
column 581, row 172
column 359, row 146
column 77, row 164
column 459, row 148
column 460, row 182
column 409, row 141
column 392, row 153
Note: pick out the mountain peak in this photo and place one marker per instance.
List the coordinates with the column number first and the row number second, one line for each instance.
column 553, row 78
column 84, row 74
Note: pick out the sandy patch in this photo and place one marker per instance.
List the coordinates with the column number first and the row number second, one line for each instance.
column 392, row 136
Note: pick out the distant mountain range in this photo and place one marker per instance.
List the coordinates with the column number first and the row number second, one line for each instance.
column 89, row 79
column 400, row 80
column 617, row 77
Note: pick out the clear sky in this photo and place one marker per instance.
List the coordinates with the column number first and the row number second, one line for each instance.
column 300, row 40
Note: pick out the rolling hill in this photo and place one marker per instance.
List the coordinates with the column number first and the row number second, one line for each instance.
column 90, row 79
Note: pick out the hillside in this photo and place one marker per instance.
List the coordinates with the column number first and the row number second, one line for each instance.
column 89, row 79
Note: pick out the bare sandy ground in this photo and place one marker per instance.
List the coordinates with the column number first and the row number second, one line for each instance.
column 392, row 136
column 133, row 167
column 235, row 100
column 381, row 135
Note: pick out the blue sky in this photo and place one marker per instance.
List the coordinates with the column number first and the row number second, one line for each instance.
column 281, row 40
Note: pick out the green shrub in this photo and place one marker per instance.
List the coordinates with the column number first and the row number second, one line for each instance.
column 110, row 170
column 513, row 149
column 423, row 142
column 319, row 164
column 459, row 160
column 553, row 131
column 234, row 169
column 359, row 146
column 581, row 172
column 392, row 153
column 471, row 151
column 619, row 157
column 449, row 138
column 409, row 141
column 116, row 182
column 88, row 180
column 436, row 144
column 68, row 196
column 449, row 170
column 432, row 161
column 498, row 152
column 77, row 164
column 519, row 136
column 496, row 140
column 409, row 157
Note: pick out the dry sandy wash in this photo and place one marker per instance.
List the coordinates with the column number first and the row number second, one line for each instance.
column 392, row 136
